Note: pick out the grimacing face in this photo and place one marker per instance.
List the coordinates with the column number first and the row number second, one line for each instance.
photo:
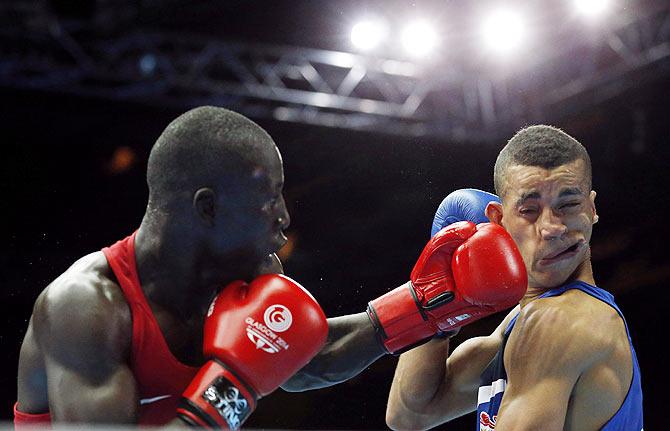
column 550, row 215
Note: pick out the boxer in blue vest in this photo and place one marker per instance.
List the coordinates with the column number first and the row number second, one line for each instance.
column 563, row 358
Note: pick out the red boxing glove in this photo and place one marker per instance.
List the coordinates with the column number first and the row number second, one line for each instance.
column 257, row 336
column 464, row 273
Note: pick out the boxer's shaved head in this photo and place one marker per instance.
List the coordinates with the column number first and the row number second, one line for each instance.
column 205, row 147
column 542, row 146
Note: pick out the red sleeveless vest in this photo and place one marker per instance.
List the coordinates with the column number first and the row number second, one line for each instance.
column 160, row 377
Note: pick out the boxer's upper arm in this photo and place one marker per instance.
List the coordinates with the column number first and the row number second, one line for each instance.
column 83, row 329
column 464, row 368
column 545, row 355
column 457, row 394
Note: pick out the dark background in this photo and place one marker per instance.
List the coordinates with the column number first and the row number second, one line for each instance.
column 361, row 204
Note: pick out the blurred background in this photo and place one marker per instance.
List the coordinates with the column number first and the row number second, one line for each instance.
column 380, row 109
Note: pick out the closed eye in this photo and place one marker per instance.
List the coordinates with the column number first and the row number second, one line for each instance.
column 570, row 204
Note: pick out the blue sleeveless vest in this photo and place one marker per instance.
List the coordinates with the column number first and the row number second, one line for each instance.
column 494, row 378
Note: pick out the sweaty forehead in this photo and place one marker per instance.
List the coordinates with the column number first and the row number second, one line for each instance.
column 537, row 182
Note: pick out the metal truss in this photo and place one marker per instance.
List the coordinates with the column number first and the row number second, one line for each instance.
column 329, row 88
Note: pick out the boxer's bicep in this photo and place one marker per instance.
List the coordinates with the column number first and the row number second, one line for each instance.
column 464, row 368
column 74, row 396
column 468, row 361
column 84, row 333
column 425, row 401
column 458, row 395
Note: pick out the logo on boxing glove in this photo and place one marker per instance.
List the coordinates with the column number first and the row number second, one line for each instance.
column 226, row 399
column 278, row 318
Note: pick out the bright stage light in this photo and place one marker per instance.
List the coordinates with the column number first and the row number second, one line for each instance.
column 591, row 7
column 419, row 38
column 503, row 31
column 366, row 35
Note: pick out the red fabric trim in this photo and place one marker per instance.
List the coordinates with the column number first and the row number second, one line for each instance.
column 29, row 420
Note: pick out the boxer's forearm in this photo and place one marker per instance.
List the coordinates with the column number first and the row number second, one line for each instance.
column 418, row 381
column 352, row 346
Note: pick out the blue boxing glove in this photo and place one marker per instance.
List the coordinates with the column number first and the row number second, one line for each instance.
column 462, row 205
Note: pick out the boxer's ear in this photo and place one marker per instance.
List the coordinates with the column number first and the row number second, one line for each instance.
column 204, row 204
column 494, row 212
column 592, row 198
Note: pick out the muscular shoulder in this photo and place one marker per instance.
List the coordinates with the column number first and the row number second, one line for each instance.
column 83, row 314
column 500, row 330
column 571, row 330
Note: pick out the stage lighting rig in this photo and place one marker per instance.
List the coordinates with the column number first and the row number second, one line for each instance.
column 455, row 94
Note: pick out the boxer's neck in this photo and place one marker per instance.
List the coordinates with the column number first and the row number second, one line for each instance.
column 584, row 272
column 173, row 272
